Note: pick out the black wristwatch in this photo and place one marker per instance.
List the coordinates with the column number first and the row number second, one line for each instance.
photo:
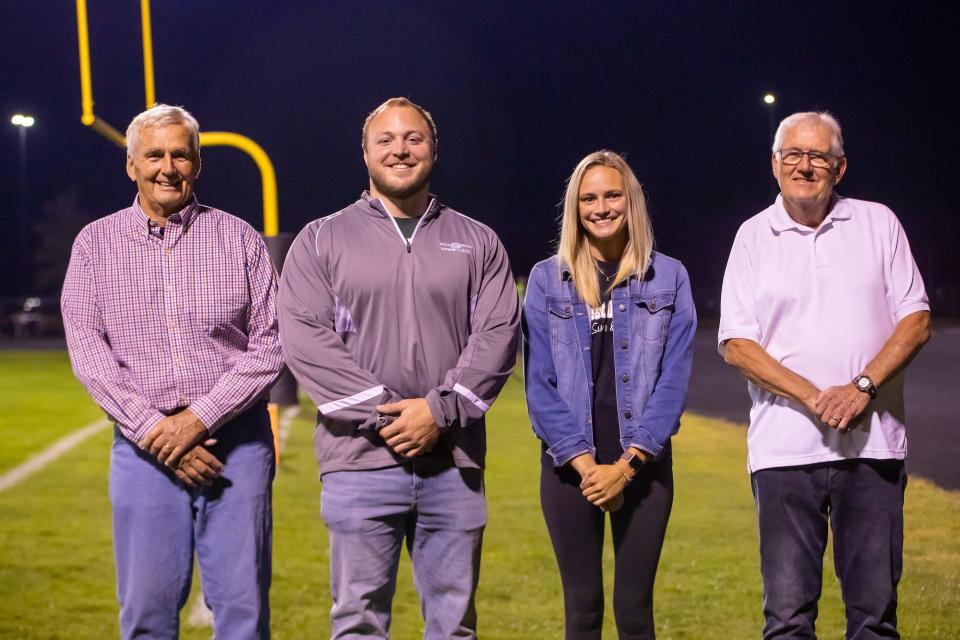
column 633, row 460
column 865, row 384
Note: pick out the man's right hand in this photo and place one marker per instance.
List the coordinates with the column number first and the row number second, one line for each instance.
column 198, row 467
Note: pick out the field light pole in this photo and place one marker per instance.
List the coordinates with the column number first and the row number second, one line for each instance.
column 771, row 101
column 22, row 122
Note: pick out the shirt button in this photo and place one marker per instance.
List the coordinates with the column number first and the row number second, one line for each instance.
column 623, row 344
column 627, row 414
column 626, row 377
column 622, row 307
column 168, row 251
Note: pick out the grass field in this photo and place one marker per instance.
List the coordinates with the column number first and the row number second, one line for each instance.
column 56, row 566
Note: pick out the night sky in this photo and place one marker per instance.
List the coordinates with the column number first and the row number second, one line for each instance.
column 520, row 92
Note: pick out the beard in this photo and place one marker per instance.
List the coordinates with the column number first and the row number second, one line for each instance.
column 400, row 191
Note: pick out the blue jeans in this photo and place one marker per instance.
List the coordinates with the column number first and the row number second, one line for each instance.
column 158, row 522
column 440, row 510
column 863, row 501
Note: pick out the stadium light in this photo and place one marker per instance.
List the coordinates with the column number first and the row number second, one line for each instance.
column 21, row 120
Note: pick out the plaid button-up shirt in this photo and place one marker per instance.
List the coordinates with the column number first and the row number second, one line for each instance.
column 157, row 322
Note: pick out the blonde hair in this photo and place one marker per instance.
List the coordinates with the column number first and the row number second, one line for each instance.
column 574, row 246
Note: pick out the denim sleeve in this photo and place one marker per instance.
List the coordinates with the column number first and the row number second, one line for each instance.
column 552, row 420
column 661, row 416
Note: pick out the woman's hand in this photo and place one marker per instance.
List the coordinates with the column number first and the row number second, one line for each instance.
column 614, row 504
column 603, row 485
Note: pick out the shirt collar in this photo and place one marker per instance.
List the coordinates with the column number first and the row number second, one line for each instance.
column 374, row 205
column 781, row 221
column 141, row 221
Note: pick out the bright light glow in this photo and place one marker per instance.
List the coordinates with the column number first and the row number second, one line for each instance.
column 769, row 98
column 22, row 121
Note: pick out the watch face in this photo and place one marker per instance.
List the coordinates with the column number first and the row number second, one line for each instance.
column 863, row 384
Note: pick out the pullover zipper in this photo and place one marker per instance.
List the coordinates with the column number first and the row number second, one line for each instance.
column 409, row 243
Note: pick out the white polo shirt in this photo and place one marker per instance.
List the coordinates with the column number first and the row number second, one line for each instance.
column 822, row 302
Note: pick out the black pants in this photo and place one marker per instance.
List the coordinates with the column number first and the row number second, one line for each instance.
column 576, row 529
column 863, row 502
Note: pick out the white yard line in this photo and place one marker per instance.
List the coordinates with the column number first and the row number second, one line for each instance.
column 38, row 461
column 286, row 419
column 200, row 615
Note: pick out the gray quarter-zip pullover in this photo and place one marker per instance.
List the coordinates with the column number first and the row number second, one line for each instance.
column 368, row 317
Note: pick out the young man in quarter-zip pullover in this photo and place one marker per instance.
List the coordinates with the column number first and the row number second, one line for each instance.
column 399, row 316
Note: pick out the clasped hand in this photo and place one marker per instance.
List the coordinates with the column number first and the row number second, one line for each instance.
column 602, row 485
column 414, row 432
column 840, row 407
column 175, row 442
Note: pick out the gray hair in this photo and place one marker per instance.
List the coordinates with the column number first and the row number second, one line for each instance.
column 823, row 117
column 162, row 115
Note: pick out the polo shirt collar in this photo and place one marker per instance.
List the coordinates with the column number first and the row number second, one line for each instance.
column 141, row 222
column 781, row 221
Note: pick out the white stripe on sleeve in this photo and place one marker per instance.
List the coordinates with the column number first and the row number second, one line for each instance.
column 356, row 398
column 471, row 396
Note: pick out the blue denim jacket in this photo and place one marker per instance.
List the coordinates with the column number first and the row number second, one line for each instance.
column 654, row 322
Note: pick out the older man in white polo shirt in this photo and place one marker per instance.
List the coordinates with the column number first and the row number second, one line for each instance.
column 822, row 309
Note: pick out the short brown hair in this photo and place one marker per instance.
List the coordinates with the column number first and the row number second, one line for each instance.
column 399, row 102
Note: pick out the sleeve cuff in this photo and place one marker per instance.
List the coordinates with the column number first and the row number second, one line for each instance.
column 209, row 414
column 568, row 449
column 643, row 439
column 146, row 427
column 910, row 309
column 437, row 409
column 745, row 333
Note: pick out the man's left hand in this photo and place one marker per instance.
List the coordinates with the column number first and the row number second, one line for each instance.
column 840, row 407
column 174, row 436
column 413, row 432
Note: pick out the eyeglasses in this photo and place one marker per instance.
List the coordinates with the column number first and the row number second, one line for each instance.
column 817, row 159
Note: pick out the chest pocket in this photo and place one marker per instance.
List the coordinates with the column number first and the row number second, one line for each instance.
column 562, row 329
column 654, row 311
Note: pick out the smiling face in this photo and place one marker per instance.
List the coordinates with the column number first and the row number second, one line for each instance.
column 399, row 153
column 164, row 165
column 602, row 203
column 803, row 186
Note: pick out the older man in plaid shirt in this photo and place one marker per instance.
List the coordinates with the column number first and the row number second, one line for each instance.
column 169, row 311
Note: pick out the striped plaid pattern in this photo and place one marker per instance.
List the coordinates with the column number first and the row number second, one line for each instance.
column 159, row 322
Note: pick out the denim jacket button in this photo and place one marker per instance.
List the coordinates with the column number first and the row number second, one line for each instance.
column 626, row 377
column 623, row 344
column 622, row 307
column 627, row 414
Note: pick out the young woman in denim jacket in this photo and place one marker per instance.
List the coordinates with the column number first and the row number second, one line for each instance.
column 608, row 327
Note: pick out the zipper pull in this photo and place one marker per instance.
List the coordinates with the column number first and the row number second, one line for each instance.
column 408, row 244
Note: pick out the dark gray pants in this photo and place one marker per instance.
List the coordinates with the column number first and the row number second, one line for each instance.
column 863, row 501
